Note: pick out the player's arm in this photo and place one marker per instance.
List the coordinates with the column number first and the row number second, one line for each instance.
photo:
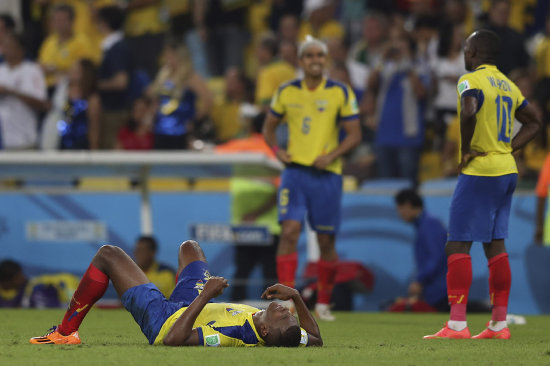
column 270, row 126
column 305, row 318
column 468, row 110
column 530, row 126
column 182, row 332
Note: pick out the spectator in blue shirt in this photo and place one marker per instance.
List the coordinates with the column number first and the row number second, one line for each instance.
column 394, row 104
column 429, row 283
column 113, row 75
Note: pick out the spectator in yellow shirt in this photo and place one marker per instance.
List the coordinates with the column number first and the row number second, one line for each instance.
column 163, row 276
column 226, row 114
column 63, row 47
column 273, row 72
column 145, row 30
column 320, row 21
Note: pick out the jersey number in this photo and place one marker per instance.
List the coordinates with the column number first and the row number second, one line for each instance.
column 504, row 117
column 306, row 122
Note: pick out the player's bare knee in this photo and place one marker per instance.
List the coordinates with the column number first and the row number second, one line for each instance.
column 108, row 253
column 190, row 250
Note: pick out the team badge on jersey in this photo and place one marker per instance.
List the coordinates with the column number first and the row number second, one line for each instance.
column 463, row 86
column 321, row 105
column 212, row 340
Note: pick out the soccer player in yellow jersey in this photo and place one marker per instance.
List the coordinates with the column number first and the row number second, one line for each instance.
column 488, row 103
column 188, row 317
column 316, row 110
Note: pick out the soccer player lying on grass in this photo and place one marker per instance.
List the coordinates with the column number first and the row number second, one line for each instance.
column 188, row 318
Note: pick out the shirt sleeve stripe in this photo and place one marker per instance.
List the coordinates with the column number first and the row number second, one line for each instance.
column 522, row 105
column 201, row 338
column 275, row 113
column 470, row 93
column 349, row 118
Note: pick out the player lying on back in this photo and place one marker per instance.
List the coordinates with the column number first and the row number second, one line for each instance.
column 188, row 318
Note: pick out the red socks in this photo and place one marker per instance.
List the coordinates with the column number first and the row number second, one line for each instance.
column 459, row 280
column 286, row 268
column 325, row 280
column 500, row 281
column 91, row 288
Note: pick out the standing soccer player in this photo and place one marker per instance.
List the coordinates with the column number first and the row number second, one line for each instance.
column 315, row 110
column 488, row 103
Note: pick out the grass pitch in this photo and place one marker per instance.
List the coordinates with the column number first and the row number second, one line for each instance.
column 110, row 337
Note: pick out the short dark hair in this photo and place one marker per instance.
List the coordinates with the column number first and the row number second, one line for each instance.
column 9, row 269
column 409, row 196
column 8, row 21
column 487, row 45
column 65, row 8
column 112, row 16
column 289, row 338
column 150, row 241
column 270, row 43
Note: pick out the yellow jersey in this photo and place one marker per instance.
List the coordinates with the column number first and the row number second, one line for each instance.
column 63, row 55
column 313, row 118
column 223, row 325
column 163, row 277
column 498, row 100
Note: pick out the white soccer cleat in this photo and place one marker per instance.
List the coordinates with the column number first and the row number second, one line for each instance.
column 322, row 311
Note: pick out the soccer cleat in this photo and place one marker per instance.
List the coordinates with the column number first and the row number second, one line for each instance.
column 54, row 337
column 322, row 311
column 491, row 334
column 447, row 332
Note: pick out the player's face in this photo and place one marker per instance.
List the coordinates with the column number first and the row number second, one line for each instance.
column 279, row 316
column 313, row 61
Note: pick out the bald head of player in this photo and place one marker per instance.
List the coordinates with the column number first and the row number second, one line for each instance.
column 482, row 47
column 277, row 326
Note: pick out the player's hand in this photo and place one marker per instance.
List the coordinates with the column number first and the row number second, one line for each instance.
column 323, row 161
column 280, row 292
column 284, row 156
column 214, row 287
column 469, row 156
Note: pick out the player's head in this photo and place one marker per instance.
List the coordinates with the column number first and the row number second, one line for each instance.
column 11, row 275
column 145, row 251
column 482, row 47
column 279, row 328
column 409, row 204
column 312, row 54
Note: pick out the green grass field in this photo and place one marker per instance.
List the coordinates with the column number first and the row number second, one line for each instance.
column 110, row 337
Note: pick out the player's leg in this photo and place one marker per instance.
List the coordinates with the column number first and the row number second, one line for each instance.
column 500, row 276
column 110, row 262
column 324, row 216
column 292, row 210
column 189, row 252
column 287, row 256
column 192, row 272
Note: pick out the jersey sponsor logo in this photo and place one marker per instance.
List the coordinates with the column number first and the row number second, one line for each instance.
column 212, row 340
column 463, row 86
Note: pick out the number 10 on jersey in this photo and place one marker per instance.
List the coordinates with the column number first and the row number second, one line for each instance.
column 504, row 117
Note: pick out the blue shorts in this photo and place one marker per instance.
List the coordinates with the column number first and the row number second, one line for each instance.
column 151, row 309
column 480, row 208
column 315, row 192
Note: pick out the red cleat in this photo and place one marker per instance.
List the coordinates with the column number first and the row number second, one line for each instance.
column 491, row 334
column 447, row 332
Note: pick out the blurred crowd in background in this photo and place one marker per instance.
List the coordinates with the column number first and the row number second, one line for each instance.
column 191, row 74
